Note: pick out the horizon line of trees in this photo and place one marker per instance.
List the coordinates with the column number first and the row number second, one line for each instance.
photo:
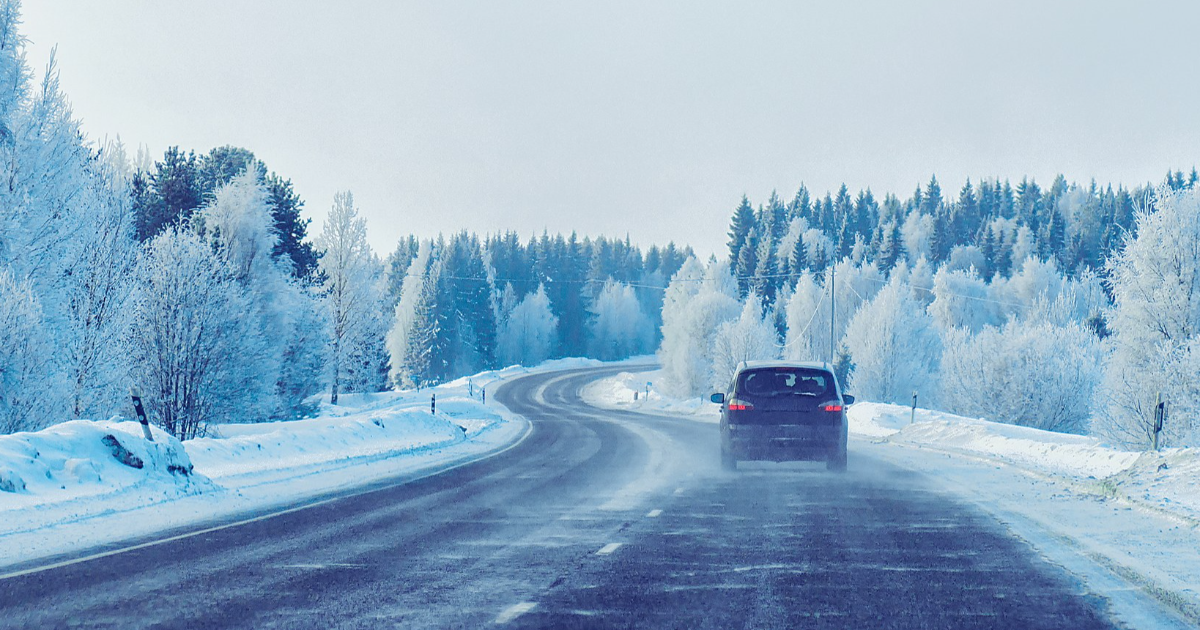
column 991, row 225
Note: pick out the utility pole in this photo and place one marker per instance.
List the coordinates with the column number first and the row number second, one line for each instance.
column 832, row 310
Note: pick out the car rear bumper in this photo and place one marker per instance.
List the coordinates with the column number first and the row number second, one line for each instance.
column 782, row 443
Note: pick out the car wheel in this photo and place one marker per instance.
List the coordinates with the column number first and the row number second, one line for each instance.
column 837, row 462
column 727, row 460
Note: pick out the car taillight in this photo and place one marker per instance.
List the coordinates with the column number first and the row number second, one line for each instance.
column 737, row 405
column 833, row 408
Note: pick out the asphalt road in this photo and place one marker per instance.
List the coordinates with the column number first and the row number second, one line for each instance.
column 596, row 519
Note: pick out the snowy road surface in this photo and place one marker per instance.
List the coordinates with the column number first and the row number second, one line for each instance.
column 596, row 519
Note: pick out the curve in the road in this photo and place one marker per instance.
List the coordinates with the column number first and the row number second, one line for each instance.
column 596, row 519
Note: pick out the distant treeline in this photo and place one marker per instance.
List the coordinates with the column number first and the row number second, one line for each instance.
column 990, row 225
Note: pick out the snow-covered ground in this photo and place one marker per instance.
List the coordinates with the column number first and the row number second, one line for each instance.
column 81, row 484
column 1080, row 502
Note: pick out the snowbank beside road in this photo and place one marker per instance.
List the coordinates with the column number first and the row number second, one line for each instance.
column 82, row 459
column 629, row 391
column 1164, row 480
column 77, row 484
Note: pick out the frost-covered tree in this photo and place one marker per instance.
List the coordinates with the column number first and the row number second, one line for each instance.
column 1033, row 374
column 27, row 380
column 696, row 303
column 466, row 341
column 63, row 231
column 425, row 328
column 620, row 329
column 528, row 333
column 807, row 336
column 96, row 290
column 408, row 340
column 42, row 202
column 961, row 299
column 964, row 257
column 894, row 346
column 238, row 222
column 751, row 337
column 303, row 358
column 1023, row 246
column 352, row 284
column 1156, row 325
column 190, row 336
column 367, row 365
column 809, row 311
column 14, row 73
column 917, row 236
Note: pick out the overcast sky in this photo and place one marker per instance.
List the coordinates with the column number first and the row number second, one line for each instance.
column 646, row 118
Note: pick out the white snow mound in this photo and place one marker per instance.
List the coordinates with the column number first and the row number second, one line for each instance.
column 84, row 458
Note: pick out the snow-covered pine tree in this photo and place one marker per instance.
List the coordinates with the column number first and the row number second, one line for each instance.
column 739, row 230
column 746, row 264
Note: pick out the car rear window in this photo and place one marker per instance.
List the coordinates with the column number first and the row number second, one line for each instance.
column 784, row 381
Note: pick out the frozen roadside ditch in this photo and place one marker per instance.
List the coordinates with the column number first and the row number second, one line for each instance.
column 78, row 485
column 1135, row 514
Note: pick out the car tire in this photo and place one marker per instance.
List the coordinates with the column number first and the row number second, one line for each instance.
column 837, row 462
column 727, row 461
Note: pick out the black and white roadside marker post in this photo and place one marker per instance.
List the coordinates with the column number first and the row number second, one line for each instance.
column 432, row 404
column 1160, row 416
column 141, row 412
column 913, row 416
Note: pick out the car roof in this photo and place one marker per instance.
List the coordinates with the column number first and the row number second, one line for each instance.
column 811, row 365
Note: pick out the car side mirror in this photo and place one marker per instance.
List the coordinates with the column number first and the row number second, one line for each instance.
column 847, row 399
column 717, row 398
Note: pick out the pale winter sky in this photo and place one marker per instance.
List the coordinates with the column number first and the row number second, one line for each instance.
column 646, row 118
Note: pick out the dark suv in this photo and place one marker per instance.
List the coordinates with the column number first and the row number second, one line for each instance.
column 783, row 411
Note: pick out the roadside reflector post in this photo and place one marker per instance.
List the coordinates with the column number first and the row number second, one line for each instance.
column 432, row 404
column 635, row 395
column 141, row 413
column 1160, row 416
column 913, row 416
column 483, row 394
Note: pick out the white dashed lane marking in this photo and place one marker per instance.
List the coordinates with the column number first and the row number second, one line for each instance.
column 653, row 513
column 514, row 611
column 608, row 549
